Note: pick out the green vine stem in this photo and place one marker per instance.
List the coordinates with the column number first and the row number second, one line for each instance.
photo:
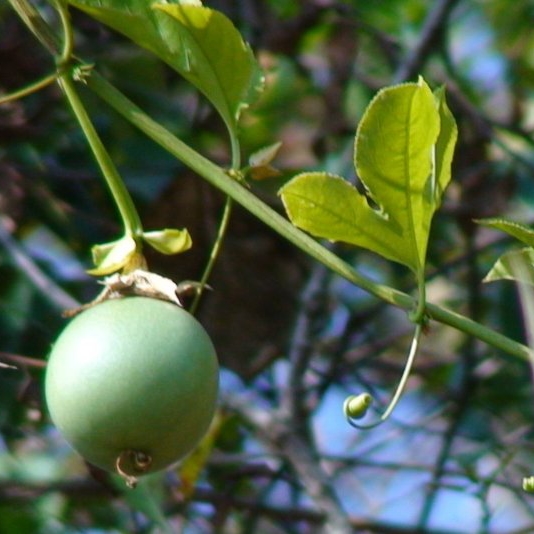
column 123, row 200
column 223, row 225
column 68, row 40
column 44, row 33
column 418, row 315
column 215, row 251
column 220, row 179
column 29, row 89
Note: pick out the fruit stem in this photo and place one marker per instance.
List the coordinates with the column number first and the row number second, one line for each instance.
column 123, row 200
column 65, row 73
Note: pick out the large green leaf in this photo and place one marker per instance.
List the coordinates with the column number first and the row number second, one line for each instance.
column 200, row 43
column 403, row 151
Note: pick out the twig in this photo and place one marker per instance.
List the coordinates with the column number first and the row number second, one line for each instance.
column 294, row 439
column 430, row 33
column 277, row 433
column 22, row 361
column 301, row 349
column 45, row 285
column 466, row 389
column 88, row 488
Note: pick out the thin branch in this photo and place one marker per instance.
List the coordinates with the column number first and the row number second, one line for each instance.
column 20, row 361
column 276, row 432
column 466, row 387
column 301, row 348
column 430, row 34
column 88, row 488
column 44, row 284
column 12, row 492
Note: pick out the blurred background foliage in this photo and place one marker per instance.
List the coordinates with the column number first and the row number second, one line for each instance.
column 293, row 339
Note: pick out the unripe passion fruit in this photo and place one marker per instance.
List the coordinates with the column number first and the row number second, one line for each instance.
column 132, row 384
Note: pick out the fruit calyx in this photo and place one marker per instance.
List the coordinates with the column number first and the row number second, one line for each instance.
column 142, row 283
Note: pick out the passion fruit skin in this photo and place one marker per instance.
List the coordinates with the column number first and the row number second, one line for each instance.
column 134, row 374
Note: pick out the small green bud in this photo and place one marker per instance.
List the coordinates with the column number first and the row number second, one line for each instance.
column 355, row 406
column 528, row 484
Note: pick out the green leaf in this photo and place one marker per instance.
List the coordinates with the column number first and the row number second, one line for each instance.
column 200, row 43
column 393, row 157
column 524, row 233
column 403, row 151
column 515, row 265
column 169, row 240
column 111, row 257
column 327, row 206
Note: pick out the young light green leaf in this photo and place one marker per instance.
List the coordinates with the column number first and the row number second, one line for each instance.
column 524, row 233
column 111, row 257
column 169, row 240
column 328, row 206
column 515, row 265
column 393, row 156
column 403, row 151
column 200, row 43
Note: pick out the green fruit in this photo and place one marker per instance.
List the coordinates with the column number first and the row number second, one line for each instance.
column 132, row 384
